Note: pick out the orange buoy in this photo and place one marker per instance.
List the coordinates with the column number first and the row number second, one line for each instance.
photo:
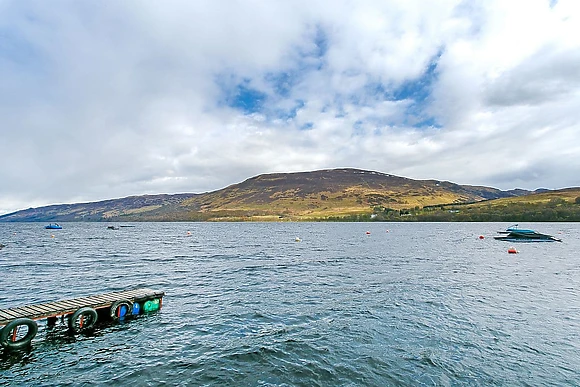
column 512, row 250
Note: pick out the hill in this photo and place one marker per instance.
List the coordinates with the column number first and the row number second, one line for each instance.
column 293, row 196
column 541, row 206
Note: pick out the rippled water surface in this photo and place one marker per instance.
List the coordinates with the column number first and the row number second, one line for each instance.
column 248, row 305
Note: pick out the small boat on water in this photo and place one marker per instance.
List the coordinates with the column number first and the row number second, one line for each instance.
column 516, row 234
column 53, row 226
column 112, row 227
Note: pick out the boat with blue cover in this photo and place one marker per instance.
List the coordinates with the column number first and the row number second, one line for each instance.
column 53, row 226
column 516, row 234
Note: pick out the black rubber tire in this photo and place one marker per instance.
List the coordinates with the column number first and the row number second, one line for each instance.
column 116, row 305
column 6, row 332
column 84, row 312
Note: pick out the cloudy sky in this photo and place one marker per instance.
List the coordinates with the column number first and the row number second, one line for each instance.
column 104, row 99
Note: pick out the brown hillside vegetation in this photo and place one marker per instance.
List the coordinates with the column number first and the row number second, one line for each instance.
column 316, row 195
column 319, row 194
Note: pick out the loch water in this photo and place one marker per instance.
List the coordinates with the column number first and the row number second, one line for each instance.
column 348, row 304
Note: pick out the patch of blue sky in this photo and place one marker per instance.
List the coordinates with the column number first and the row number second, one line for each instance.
column 287, row 113
column 241, row 96
column 418, row 91
column 426, row 122
column 248, row 99
column 282, row 82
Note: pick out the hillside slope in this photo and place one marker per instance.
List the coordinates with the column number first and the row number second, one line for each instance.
column 294, row 196
column 553, row 206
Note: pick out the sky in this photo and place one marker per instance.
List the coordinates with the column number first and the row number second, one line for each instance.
column 103, row 99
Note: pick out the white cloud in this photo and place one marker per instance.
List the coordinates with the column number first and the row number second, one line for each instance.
column 110, row 99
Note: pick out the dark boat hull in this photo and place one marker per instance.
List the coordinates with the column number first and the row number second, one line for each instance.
column 536, row 237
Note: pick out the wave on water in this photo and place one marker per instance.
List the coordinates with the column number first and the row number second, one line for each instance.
column 345, row 304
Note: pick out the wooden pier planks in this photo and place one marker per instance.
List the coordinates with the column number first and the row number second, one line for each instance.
column 58, row 308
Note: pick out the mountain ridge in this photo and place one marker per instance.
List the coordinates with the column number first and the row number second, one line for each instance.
column 273, row 196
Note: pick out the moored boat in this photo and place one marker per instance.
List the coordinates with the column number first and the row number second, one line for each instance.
column 516, row 234
column 53, row 226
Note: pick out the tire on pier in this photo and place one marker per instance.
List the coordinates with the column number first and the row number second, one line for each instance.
column 9, row 334
column 82, row 320
column 121, row 309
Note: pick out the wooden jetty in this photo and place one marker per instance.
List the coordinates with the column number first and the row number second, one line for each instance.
column 82, row 313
